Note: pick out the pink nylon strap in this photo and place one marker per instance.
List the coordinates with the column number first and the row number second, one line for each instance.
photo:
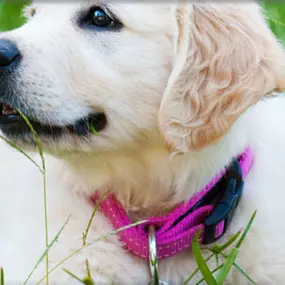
column 171, row 237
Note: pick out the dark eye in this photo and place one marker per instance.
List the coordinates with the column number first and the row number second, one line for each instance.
column 101, row 19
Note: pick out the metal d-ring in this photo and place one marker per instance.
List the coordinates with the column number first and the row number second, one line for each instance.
column 153, row 258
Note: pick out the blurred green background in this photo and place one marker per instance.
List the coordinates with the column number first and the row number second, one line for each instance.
column 11, row 15
column 276, row 18
column 11, row 18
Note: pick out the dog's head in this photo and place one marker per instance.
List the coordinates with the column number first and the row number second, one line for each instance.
column 127, row 71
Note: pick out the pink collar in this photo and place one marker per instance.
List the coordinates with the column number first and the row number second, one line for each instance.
column 210, row 210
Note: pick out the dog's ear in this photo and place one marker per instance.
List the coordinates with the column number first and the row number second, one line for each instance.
column 226, row 60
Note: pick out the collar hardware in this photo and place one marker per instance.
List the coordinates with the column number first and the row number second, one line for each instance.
column 153, row 258
column 218, row 221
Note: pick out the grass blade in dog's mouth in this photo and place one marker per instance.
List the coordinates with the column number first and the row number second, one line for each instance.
column 11, row 121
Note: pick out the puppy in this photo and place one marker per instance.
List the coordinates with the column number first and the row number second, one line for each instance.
column 174, row 92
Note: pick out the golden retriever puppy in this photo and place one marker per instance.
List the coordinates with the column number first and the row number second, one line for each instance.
column 175, row 92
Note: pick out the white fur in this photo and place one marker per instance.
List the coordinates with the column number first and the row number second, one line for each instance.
column 129, row 157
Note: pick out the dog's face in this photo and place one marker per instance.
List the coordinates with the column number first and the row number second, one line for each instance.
column 126, row 70
column 88, row 66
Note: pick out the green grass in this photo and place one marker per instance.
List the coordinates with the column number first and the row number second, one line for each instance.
column 10, row 18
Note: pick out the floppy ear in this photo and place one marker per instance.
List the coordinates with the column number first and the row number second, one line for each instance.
column 227, row 59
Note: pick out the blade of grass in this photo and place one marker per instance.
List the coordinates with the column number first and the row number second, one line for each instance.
column 96, row 208
column 197, row 270
column 40, row 149
column 93, row 130
column 203, row 267
column 35, row 135
column 88, row 279
column 85, row 281
column 221, row 248
column 103, row 237
column 215, row 250
column 223, row 274
column 217, row 260
column 240, row 270
column 22, row 152
column 213, row 271
column 88, row 268
column 2, row 280
column 72, row 275
column 247, row 229
column 47, row 250
column 244, row 273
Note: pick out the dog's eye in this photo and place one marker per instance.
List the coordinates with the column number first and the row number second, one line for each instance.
column 101, row 19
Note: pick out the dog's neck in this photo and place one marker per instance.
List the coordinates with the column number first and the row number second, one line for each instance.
column 148, row 181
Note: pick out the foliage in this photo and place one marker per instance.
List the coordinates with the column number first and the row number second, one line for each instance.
column 11, row 15
column 275, row 13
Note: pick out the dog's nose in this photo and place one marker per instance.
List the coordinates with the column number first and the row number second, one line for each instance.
column 8, row 53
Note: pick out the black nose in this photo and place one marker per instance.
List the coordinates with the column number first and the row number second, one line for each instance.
column 9, row 53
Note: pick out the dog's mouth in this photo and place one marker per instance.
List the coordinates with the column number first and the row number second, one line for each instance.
column 13, row 124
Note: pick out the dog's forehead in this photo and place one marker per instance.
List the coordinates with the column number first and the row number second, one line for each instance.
column 153, row 15
column 147, row 16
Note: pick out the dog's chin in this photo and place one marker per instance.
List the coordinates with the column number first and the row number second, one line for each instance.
column 25, row 131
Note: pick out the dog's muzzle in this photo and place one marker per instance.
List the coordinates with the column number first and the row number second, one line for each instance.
column 12, row 122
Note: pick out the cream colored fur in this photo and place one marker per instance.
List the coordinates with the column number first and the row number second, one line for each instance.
column 204, row 75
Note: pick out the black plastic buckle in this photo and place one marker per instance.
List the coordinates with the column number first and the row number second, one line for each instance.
column 225, row 208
